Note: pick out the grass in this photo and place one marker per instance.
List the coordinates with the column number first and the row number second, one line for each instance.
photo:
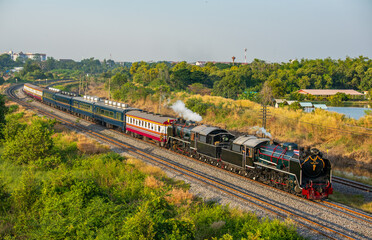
column 351, row 176
column 356, row 201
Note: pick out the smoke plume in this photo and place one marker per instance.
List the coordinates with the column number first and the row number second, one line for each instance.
column 262, row 130
column 182, row 111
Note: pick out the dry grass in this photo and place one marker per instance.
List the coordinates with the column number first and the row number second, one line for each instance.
column 218, row 225
column 152, row 182
column 89, row 146
column 356, row 201
column 85, row 145
column 4, row 86
column 98, row 90
column 179, row 196
column 58, row 127
column 146, row 168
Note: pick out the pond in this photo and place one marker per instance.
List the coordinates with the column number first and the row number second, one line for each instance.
column 351, row 112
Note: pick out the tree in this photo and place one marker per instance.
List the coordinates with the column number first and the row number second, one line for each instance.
column 118, row 80
column 30, row 143
column 337, row 99
column 3, row 111
column 180, row 79
column 230, row 86
column 266, row 94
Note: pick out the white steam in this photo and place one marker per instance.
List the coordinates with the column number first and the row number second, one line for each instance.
column 182, row 111
column 263, row 131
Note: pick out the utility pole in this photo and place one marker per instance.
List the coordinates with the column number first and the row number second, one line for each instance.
column 80, row 84
column 264, row 115
column 86, row 86
column 109, row 93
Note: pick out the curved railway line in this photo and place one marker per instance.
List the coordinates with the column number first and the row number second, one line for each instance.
column 218, row 183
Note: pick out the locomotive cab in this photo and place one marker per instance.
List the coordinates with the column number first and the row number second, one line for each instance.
column 209, row 140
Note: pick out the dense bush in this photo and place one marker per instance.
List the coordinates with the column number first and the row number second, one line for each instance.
column 197, row 105
column 25, row 143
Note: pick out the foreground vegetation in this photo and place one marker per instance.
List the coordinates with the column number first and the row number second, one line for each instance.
column 67, row 186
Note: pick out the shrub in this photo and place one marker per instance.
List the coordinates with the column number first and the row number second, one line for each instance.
column 28, row 143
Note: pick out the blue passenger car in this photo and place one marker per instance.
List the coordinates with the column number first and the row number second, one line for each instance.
column 82, row 107
column 109, row 115
column 62, row 101
column 48, row 97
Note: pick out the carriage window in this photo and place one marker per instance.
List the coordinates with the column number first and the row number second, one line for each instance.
column 236, row 148
column 203, row 138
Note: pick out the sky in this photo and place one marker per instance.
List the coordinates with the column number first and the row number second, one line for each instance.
column 192, row 30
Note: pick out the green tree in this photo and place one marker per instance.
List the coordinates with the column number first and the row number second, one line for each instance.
column 31, row 143
column 230, row 86
column 336, row 100
column 3, row 111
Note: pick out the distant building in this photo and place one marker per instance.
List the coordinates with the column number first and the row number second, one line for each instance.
column 321, row 106
column 33, row 56
column 200, row 63
column 330, row 92
column 279, row 101
column 307, row 106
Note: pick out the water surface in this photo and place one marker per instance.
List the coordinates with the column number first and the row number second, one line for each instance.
column 351, row 112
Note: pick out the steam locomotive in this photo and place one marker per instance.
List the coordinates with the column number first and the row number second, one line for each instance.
column 301, row 171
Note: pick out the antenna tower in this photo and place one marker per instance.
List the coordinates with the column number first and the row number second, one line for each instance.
column 245, row 55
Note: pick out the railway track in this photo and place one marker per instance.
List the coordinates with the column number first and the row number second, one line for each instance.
column 353, row 184
column 196, row 175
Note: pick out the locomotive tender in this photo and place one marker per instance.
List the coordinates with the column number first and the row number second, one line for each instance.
column 304, row 172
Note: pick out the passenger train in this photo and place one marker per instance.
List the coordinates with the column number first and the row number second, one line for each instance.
column 302, row 171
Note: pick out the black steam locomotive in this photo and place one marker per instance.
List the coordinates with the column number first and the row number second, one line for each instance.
column 300, row 171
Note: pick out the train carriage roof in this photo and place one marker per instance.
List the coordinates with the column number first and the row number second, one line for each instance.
column 150, row 116
column 34, row 86
column 102, row 104
column 49, row 91
column 250, row 141
column 63, row 96
column 205, row 130
column 81, row 99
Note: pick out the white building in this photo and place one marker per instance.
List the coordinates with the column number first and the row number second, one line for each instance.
column 33, row 56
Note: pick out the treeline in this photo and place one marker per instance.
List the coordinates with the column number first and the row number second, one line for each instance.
column 244, row 81
column 227, row 80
